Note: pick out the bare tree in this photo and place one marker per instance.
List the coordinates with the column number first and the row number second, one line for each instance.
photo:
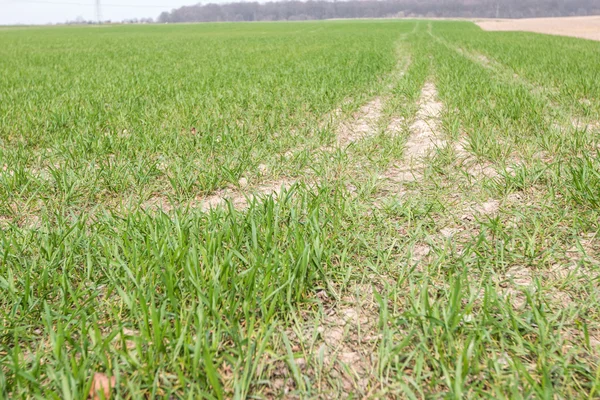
column 298, row 10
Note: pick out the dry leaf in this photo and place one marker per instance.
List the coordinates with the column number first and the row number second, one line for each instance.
column 101, row 384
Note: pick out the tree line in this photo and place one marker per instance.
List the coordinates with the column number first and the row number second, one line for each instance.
column 315, row 10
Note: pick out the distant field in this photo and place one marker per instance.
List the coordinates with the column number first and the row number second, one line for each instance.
column 581, row 27
column 367, row 209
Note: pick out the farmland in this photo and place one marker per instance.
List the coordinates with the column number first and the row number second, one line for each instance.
column 371, row 209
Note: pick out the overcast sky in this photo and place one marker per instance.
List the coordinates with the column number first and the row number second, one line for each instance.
column 44, row 11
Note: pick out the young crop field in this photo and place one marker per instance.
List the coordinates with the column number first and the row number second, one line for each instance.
column 340, row 209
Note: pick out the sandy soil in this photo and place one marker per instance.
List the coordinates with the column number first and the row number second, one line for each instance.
column 424, row 137
column 581, row 27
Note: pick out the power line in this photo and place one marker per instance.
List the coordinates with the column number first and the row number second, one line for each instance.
column 90, row 4
column 98, row 11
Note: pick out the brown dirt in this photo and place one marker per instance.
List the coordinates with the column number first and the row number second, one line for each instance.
column 344, row 339
column 580, row 27
column 362, row 125
column 490, row 207
column 423, row 138
column 240, row 199
column 396, row 126
column 471, row 165
column 425, row 129
column 516, row 280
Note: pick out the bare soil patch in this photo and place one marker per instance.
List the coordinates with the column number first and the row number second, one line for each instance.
column 471, row 165
column 342, row 345
column 423, row 138
column 363, row 124
column 240, row 200
column 425, row 128
column 580, row 27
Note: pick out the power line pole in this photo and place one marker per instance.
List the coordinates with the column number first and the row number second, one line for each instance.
column 98, row 12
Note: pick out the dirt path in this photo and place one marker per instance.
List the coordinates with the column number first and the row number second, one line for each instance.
column 347, row 337
column 424, row 136
column 580, row 27
column 362, row 125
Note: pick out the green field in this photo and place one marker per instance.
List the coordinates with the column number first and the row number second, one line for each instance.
column 367, row 209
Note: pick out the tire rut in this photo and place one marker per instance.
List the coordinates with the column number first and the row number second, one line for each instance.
column 424, row 136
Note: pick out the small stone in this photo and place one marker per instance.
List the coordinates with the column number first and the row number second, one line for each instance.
column 467, row 217
column 448, row 232
column 350, row 315
column 322, row 295
column 489, row 207
column 420, row 251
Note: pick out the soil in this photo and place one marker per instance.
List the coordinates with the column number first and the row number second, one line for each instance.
column 362, row 125
column 423, row 138
column 580, row 27
column 240, row 199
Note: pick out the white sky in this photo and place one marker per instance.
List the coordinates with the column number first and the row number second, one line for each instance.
column 44, row 11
